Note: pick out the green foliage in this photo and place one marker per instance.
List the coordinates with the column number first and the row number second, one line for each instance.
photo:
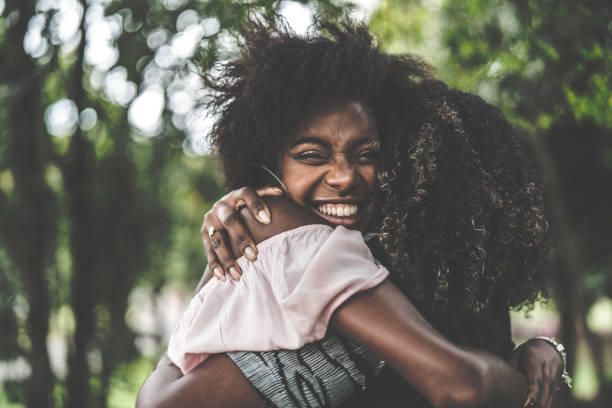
column 12, row 395
column 126, row 381
column 111, row 207
column 504, row 49
column 123, row 205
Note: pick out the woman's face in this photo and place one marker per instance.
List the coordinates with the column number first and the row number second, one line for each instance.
column 330, row 164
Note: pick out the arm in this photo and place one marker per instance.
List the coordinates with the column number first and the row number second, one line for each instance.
column 446, row 374
column 385, row 321
column 216, row 383
column 536, row 360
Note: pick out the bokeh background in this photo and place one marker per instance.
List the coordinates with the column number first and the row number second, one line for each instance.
column 105, row 173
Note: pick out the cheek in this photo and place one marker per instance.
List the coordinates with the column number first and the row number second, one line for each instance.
column 369, row 177
column 300, row 185
column 295, row 179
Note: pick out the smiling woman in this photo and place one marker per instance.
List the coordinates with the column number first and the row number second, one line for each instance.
column 330, row 165
column 361, row 141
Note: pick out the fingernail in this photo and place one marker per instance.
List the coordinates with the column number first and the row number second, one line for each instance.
column 264, row 216
column 234, row 273
column 218, row 274
column 250, row 254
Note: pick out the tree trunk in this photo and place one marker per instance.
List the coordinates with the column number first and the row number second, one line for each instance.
column 33, row 214
column 78, row 169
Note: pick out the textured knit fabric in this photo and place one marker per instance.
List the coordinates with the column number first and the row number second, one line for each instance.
column 321, row 374
column 283, row 300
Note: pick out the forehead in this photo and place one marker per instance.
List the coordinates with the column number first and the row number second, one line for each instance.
column 339, row 123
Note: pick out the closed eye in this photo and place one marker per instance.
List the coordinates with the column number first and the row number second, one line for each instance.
column 368, row 156
column 311, row 157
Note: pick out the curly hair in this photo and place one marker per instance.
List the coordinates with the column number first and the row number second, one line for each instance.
column 459, row 210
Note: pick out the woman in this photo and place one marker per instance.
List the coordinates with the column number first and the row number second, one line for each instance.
column 446, row 202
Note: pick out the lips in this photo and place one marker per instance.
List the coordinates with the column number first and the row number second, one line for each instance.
column 348, row 214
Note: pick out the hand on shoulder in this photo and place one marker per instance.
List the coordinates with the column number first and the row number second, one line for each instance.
column 286, row 215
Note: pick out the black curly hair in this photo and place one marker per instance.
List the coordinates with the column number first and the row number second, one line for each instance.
column 459, row 211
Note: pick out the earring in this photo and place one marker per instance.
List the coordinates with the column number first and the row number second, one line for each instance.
column 282, row 186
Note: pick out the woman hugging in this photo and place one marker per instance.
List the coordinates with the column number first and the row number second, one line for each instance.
column 378, row 228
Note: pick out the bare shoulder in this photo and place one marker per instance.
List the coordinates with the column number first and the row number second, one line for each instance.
column 286, row 215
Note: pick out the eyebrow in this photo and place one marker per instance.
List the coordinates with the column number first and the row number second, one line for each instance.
column 325, row 143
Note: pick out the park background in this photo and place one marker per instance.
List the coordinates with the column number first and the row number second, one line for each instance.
column 105, row 172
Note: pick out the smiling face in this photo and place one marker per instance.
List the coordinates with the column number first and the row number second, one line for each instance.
column 330, row 164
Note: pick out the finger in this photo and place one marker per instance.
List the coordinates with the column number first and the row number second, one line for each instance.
column 237, row 232
column 239, row 204
column 550, row 386
column 256, row 205
column 225, row 256
column 531, row 401
column 545, row 394
column 219, row 275
column 270, row 191
column 233, row 232
column 213, row 262
column 534, row 377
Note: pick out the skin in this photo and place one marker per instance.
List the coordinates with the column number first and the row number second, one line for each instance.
column 383, row 320
column 331, row 162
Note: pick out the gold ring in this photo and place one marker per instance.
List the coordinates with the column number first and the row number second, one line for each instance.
column 212, row 230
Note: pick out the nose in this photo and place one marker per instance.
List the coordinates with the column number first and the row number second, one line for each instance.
column 342, row 175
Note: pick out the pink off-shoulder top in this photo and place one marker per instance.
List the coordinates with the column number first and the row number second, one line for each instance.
column 282, row 301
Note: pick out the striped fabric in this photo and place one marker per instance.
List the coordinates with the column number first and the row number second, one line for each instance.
column 324, row 373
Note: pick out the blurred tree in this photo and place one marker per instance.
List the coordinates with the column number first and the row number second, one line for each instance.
column 110, row 193
column 31, row 208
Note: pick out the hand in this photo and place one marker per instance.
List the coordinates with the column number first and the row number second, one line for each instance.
column 229, row 229
column 542, row 365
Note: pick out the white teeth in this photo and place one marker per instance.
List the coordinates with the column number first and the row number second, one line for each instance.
column 338, row 210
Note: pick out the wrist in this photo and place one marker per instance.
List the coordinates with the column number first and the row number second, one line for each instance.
column 565, row 377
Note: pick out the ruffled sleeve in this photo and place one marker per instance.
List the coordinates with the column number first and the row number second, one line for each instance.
column 282, row 301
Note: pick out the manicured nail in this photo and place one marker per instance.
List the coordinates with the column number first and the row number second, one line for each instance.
column 218, row 274
column 264, row 216
column 250, row 254
column 234, row 273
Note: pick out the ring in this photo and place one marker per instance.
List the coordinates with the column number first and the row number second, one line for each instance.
column 212, row 230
